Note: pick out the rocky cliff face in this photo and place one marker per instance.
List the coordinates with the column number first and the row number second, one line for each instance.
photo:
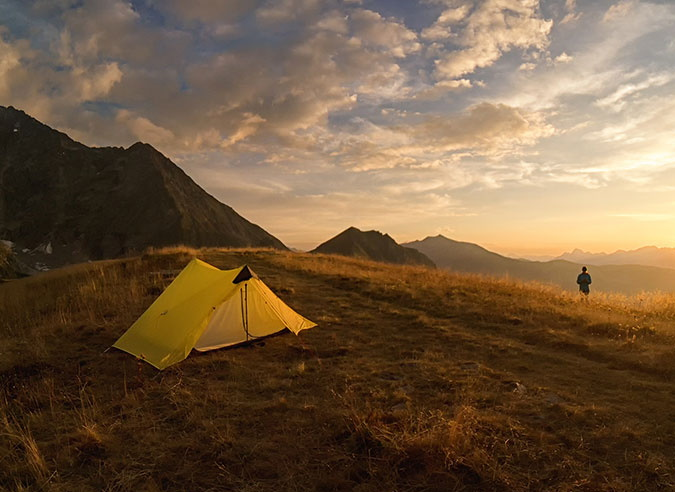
column 73, row 203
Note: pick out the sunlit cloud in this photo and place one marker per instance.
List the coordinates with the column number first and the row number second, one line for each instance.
column 144, row 129
column 280, row 11
column 373, row 29
column 572, row 14
column 491, row 29
column 620, row 9
column 564, row 58
column 617, row 100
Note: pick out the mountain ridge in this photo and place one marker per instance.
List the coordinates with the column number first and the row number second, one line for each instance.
column 645, row 255
column 372, row 245
column 86, row 203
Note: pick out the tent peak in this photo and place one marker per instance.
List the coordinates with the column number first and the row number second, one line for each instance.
column 244, row 274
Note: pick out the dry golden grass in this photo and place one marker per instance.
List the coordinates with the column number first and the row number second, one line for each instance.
column 415, row 379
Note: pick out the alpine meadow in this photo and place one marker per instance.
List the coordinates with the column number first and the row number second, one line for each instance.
column 337, row 245
column 415, row 379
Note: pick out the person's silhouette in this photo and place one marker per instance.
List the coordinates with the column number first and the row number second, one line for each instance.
column 584, row 280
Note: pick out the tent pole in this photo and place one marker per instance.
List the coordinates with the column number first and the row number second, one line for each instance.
column 244, row 309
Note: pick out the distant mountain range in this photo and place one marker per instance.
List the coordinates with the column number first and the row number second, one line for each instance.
column 63, row 202
column 372, row 245
column 471, row 258
column 649, row 255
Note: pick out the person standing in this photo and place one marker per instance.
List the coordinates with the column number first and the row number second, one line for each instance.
column 584, row 280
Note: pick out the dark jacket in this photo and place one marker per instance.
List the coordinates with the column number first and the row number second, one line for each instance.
column 584, row 280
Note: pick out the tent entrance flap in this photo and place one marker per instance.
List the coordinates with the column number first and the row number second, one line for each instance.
column 226, row 326
column 242, row 318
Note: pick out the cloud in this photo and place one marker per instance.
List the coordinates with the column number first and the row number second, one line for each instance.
column 248, row 126
column 97, row 82
column 492, row 28
column 617, row 100
column 455, row 84
column 618, row 10
column 144, row 129
column 239, row 97
column 208, row 11
column 485, row 128
column 51, row 7
column 563, row 58
column 373, row 29
column 105, row 53
column 444, row 87
column 10, row 64
column 643, row 130
column 334, row 21
column 572, row 14
column 295, row 85
column 437, row 141
column 281, row 11
column 51, row 85
column 442, row 28
column 608, row 58
column 99, row 30
column 632, row 146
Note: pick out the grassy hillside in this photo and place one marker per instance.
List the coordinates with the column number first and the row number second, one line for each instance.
column 415, row 379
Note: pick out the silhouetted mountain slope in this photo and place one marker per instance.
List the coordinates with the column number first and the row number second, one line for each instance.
column 87, row 203
column 648, row 255
column 471, row 258
column 372, row 245
column 462, row 257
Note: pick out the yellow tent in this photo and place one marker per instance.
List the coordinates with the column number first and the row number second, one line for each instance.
column 206, row 308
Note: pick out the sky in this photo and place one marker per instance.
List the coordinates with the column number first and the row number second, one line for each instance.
column 529, row 127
